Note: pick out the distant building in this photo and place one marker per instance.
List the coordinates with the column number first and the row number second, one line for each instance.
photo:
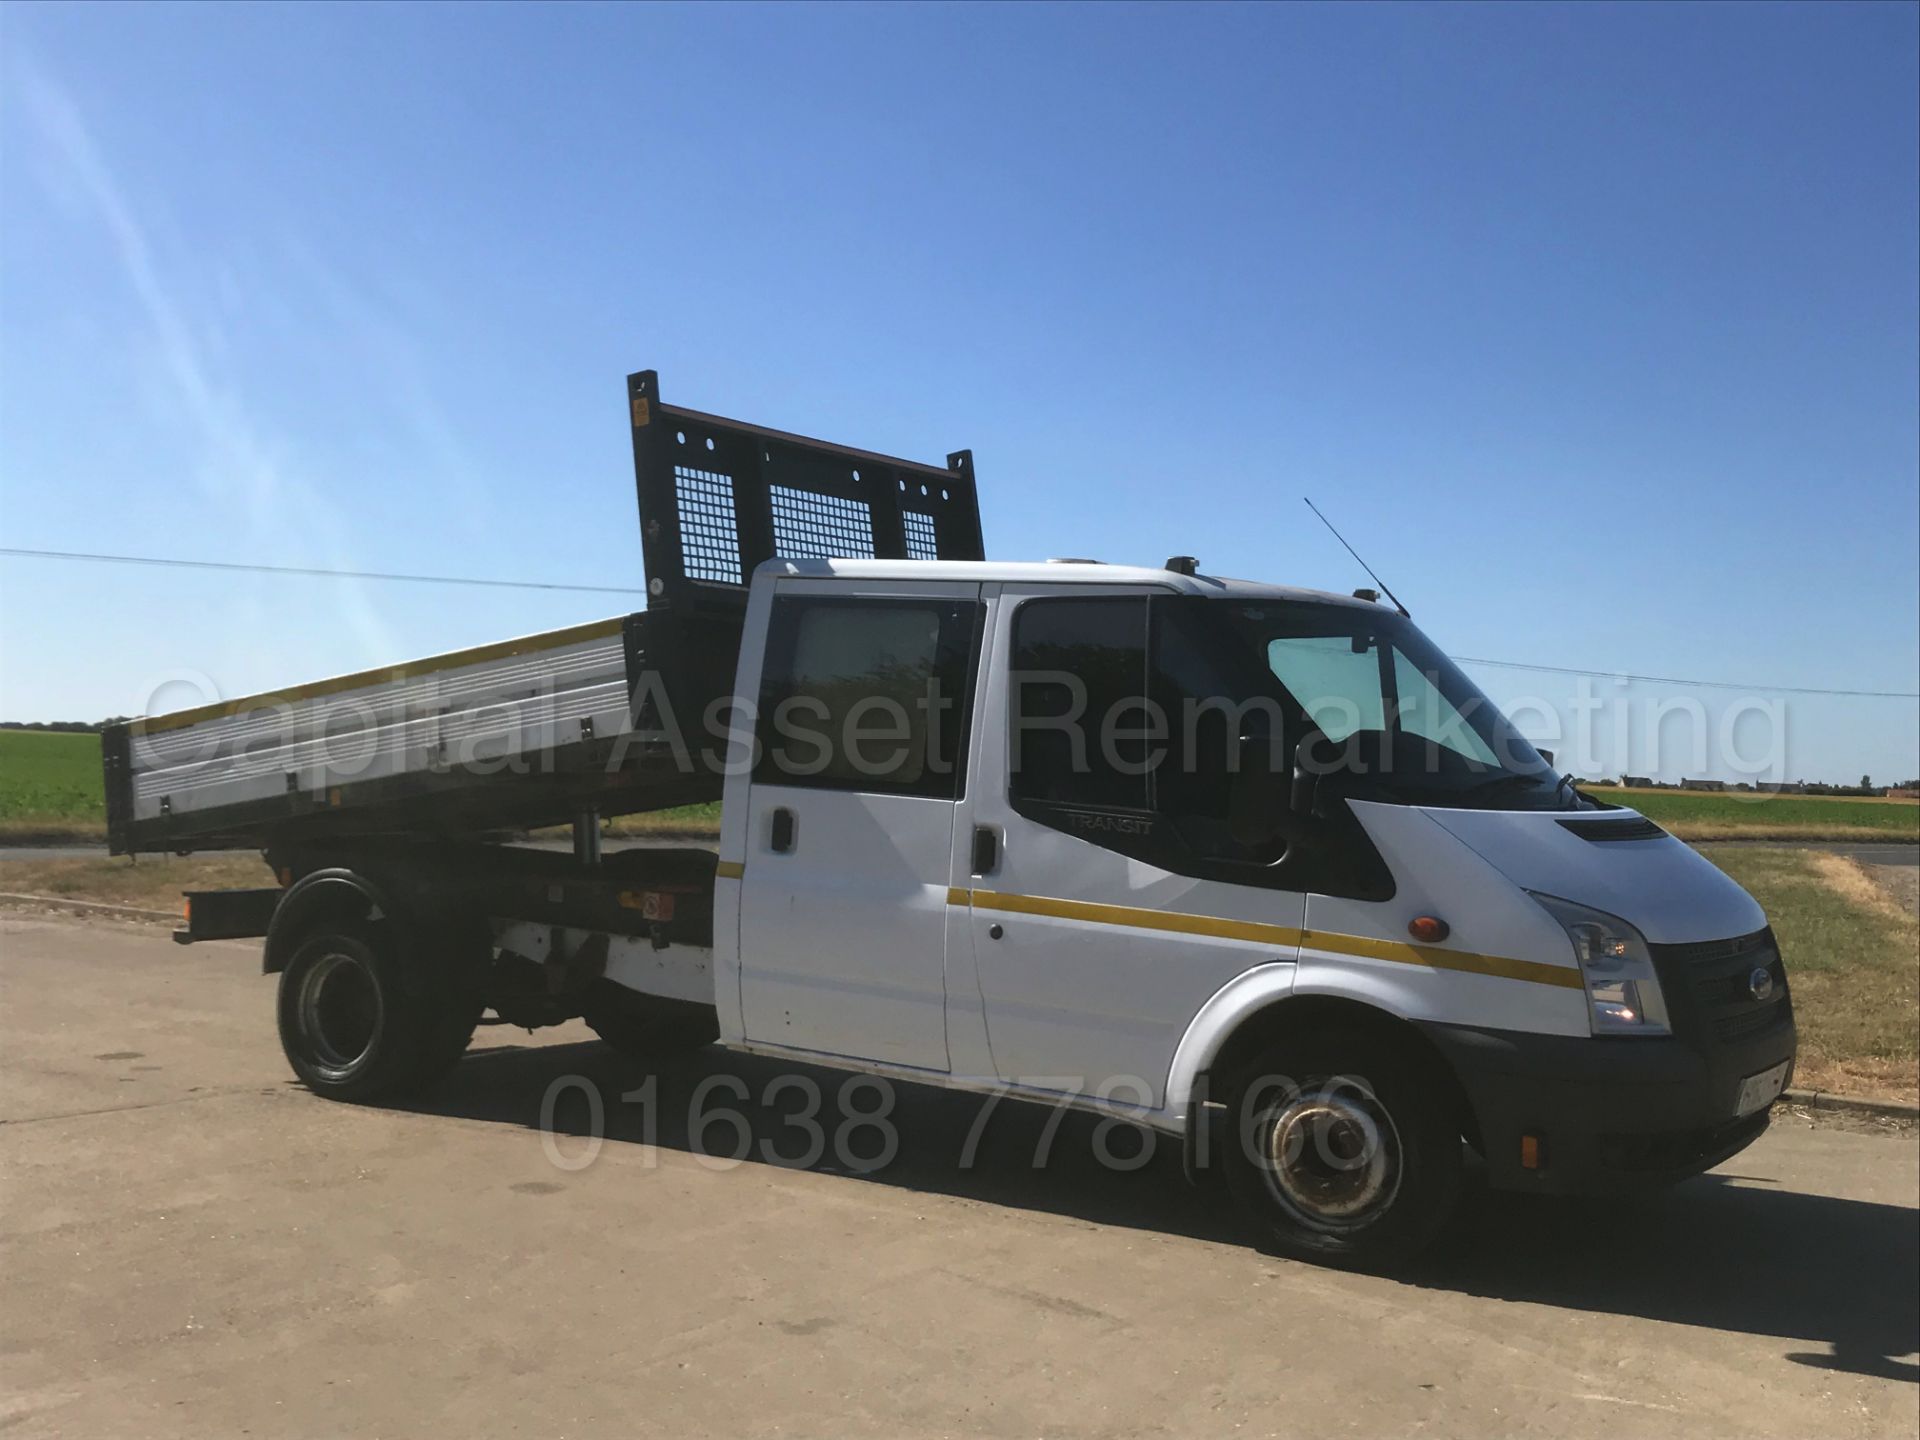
column 1636, row 782
column 1703, row 784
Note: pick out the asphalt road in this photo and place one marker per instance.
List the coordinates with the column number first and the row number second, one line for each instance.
column 194, row 1245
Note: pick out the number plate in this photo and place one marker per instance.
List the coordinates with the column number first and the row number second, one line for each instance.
column 1758, row 1091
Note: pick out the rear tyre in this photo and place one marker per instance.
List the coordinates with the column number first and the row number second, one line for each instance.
column 449, row 1034
column 1345, row 1151
column 647, row 1029
column 350, row 1027
column 456, row 965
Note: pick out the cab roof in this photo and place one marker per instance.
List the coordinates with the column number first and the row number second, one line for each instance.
column 1052, row 572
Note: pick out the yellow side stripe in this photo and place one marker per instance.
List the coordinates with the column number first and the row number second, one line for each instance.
column 1433, row 957
column 1436, row 958
column 1168, row 920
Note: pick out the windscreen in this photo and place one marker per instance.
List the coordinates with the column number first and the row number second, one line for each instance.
column 1375, row 699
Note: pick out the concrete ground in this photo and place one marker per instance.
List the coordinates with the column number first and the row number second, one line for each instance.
column 194, row 1245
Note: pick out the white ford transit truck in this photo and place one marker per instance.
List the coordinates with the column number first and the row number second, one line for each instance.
column 1253, row 866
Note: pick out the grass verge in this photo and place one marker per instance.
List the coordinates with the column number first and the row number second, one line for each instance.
column 1853, row 961
column 154, row 883
column 688, row 821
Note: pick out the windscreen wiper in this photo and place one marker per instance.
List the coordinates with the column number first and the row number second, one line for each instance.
column 1503, row 779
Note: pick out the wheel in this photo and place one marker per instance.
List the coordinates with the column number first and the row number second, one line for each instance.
column 348, row 1026
column 355, row 1027
column 647, row 1029
column 1344, row 1150
column 454, row 970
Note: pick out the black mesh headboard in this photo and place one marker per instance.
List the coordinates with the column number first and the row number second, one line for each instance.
column 718, row 496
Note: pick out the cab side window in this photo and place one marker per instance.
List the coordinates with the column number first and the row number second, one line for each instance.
column 867, row 695
column 1080, row 738
column 1132, row 720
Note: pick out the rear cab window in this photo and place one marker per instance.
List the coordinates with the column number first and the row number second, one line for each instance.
column 870, row 695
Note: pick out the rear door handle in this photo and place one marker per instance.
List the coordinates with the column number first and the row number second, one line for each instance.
column 783, row 828
column 986, row 849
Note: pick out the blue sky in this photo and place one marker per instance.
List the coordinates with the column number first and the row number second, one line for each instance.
column 1597, row 329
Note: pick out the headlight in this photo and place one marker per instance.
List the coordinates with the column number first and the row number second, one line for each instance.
column 1623, row 992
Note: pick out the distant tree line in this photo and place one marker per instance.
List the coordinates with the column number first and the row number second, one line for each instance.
column 63, row 727
column 1866, row 787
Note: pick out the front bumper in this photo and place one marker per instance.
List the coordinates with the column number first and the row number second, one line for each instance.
column 1608, row 1114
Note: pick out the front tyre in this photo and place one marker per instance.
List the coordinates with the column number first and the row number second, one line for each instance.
column 1344, row 1150
column 349, row 1026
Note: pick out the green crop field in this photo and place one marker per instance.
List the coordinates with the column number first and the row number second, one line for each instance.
column 50, row 785
column 1713, row 815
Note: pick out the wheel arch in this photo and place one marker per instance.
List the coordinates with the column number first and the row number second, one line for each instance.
column 1259, row 1011
column 336, row 894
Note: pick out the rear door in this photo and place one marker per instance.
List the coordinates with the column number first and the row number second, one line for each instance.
column 863, row 714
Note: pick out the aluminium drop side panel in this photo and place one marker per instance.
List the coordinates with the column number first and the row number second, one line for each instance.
column 502, row 717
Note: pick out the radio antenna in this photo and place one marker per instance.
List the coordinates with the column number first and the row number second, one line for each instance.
column 1356, row 555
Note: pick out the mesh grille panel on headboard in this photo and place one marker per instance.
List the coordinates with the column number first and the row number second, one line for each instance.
column 820, row 527
column 923, row 543
column 718, row 497
column 709, row 542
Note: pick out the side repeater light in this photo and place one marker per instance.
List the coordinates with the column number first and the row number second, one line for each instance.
column 1428, row 929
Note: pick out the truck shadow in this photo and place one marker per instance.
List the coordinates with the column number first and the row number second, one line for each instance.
column 1841, row 1276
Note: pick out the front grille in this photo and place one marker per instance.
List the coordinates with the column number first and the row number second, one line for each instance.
column 1706, row 952
column 1757, row 1021
column 1709, row 989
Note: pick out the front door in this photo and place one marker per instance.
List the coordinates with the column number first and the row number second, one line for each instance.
column 861, row 730
column 1111, row 904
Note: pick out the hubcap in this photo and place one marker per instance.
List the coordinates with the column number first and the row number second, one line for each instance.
column 1331, row 1154
column 340, row 1013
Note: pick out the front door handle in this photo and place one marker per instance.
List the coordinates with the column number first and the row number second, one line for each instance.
column 986, row 849
column 783, row 827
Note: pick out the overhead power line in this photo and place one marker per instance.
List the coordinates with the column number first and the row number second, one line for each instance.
column 336, row 574
column 1682, row 680
column 234, row 565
